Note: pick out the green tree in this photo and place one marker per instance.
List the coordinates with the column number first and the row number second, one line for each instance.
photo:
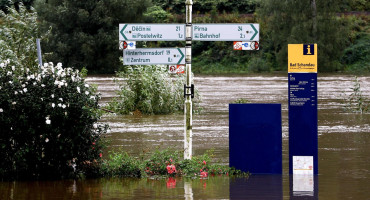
column 5, row 4
column 18, row 36
column 85, row 33
column 306, row 21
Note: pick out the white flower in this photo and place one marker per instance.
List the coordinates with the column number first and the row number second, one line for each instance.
column 95, row 126
column 9, row 73
column 42, row 99
column 60, row 99
column 15, row 92
column 14, row 103
column 48, row 121
column 86, row 85
column 59, row 64
column 23, row 85
column 65, row 113
column 56, row 82
column 47, row 140
column 59, row 105
column 52, row 95
column 10, row 82
column 78, row 89
column 59, row 135
column 53, row 105
column 64, row 106
column 13, row 68
column 45, row 65
column 25, row 90
column 2, row 65
column 92, row 97
column 42, row 85
column 87, row 92
column 1, row 110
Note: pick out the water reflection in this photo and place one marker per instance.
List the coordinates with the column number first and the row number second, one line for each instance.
column 257, row 187
column 304, row 186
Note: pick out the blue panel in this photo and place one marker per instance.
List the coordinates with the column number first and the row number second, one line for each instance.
column 303, row 117
column 255, row 138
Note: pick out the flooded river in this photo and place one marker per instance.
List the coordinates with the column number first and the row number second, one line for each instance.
column 344, row 146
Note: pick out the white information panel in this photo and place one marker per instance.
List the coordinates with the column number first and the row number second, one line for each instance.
column 302, row 164
column 154, row 56
column 226, row 32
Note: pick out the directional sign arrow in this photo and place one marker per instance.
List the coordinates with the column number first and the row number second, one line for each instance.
column 154, row 56
column 255, row 30
column 225, row 32
column 152, row 32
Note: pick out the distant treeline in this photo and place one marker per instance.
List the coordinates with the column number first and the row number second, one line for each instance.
column 85, row 33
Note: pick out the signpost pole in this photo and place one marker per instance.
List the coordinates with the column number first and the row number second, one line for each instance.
column 188, row 104
column 39, row 51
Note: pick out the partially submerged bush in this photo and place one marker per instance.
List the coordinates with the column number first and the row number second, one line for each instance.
column 48, row 122
column 356, row 101
column 163, row 164
column 150, row 90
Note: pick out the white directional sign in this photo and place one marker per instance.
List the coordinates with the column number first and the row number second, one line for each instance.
column 226, row 32
column 152, row 32
column 154, row 56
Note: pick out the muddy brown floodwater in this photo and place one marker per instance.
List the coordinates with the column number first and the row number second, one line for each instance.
column 344, row 146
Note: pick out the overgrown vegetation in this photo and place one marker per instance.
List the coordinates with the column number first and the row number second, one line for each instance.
column 356, row 101
column 18, row 35
column 163, row 164
column 48, row 114
column 149, row 90
column 48, row 121
column 241, row 101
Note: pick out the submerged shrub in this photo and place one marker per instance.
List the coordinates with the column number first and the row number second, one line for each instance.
column 356, row 101
column 122, row 165
column 150, row 90
column 48, row 121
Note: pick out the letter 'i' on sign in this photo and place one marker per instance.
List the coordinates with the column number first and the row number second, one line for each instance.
column 303, row 132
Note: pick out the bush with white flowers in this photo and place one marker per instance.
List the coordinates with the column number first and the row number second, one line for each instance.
column 48, row 122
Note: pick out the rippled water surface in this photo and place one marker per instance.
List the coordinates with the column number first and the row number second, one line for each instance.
column 344, row 146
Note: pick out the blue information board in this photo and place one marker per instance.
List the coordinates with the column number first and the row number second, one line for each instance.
column 303, row 117
column 255, row 138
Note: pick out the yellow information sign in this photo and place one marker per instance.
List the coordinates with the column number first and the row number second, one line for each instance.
column 302, row 58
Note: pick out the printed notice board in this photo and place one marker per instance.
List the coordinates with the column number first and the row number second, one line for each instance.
column 302, row 79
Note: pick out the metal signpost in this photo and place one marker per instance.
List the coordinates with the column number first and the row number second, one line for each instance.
column 175, row 56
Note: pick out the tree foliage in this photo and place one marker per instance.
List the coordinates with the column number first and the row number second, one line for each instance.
column 18, row 35
column 6, row 4
column 292, row 22
column 85, row 33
